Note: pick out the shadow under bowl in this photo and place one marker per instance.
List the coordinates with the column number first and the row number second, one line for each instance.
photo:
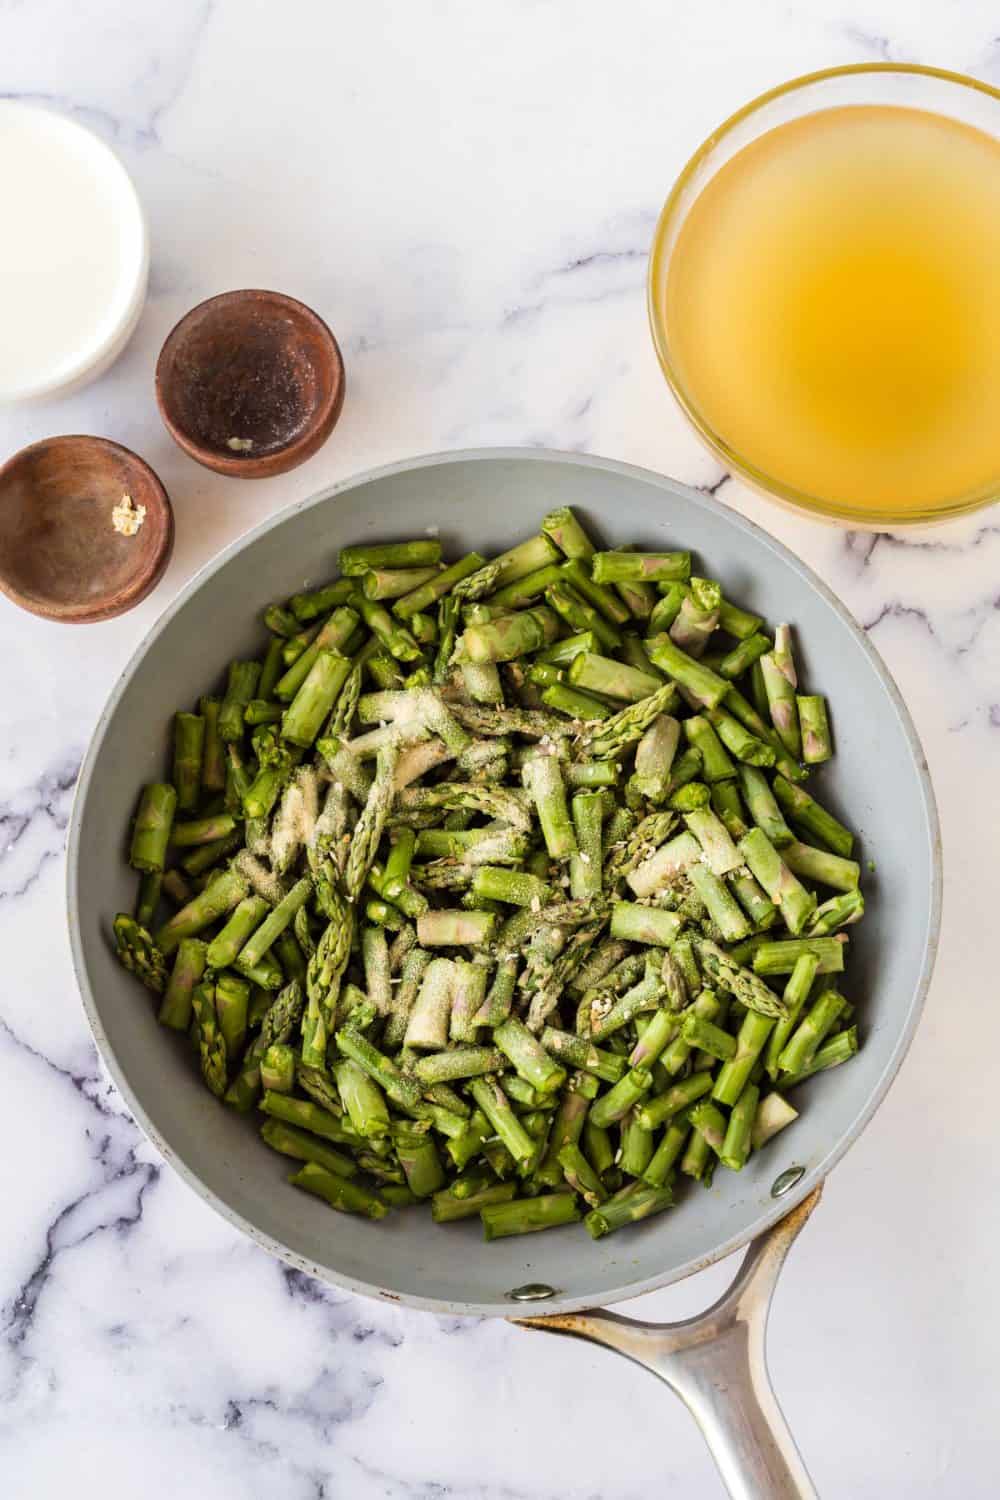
column 60, row 555
column 250, row 383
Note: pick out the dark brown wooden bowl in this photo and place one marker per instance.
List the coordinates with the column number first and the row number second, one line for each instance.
column 60, row 555
column 250, row 366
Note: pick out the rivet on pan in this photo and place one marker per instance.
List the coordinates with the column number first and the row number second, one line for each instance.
column 533, row 1291
column 786, row 1181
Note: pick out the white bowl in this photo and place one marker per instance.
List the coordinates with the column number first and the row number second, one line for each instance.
column 74, row 254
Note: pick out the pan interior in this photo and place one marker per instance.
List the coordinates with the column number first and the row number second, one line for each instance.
column 876, row 783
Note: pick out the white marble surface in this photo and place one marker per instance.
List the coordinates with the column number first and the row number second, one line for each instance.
column 467, row 193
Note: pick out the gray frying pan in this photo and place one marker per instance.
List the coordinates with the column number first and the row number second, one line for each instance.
column 878, row 782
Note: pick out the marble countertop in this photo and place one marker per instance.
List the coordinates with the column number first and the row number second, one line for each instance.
column 467, row 194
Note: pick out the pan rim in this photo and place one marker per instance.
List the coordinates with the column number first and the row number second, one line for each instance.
column 559, row 1303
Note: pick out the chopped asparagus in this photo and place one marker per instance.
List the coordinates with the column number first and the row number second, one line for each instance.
column 478, row 976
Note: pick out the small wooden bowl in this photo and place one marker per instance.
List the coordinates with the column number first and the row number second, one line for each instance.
column 255, row 368
column 60, row 555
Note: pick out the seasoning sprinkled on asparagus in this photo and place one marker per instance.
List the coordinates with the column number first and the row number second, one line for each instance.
column 494, row 883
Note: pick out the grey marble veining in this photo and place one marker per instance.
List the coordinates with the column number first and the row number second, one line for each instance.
column 467, row 194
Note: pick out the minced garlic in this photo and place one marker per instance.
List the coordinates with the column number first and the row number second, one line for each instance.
column 127, row 517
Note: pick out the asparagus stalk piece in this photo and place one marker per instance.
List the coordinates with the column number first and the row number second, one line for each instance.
column 697, row 617
column 139, row 954
column 743, row 984
column 705, row 1036
column 453, row 929
column 596, row 594
column 232, row 1002
column 271, row 669
column 514, row 887
column 528, row 1057
column 816, row 1024
column 420, row 599
column 461, row 1062
column 362, row 1099
column 680, row 1096
column 644, row 924
column 310, row 1117
column 705, row 686
column 427, row 1027
column 722, row 908
column 743, row 655
column 152, row 829
column 339, row 1192
column 195, row 831
column 263, row 938
column 213, row 764
column 839, row 911
column 281, row 621
column 654, row 758
column 781, row 956
column 736, row 1146
column 774, row 1113
column 393, row 583
column 641, row 567
column 371, row 824
column 636, row 1150
column 599, row 674
column 612, row 1107
column 807, row 812
column 839, row 1049
column 581, row 1176
column 628, row 726
column 583, row 707
column 587, row 861
column 578, row 1052
column 735, row 1071
column 796, row 994
column 718, row 849
column 277, row 1069
column 580, row 614
column 610, row 1015
column 748, row 748
column 245, row 919
column 664, row 864
column 467, row 997
column 336, row 634
column 544, row 784
column 510, row 636
column 707, row 1006
column 660, row 1168
column 215, row 901
column 491, row 1099
column 528, row 1215
column 447, row 1208
column 627, row 1207
column 240, row 688
column 189, row 742
column 817, row 745
column 355, row 562
column 821, row 866
column 211, row 1043
column 778, row 669
column 562, row 527
column 785, row 890
column 419, row 1159
column 314, row 700
column 189, row 967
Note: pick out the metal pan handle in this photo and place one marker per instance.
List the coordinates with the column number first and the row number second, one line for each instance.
column 716, row 1363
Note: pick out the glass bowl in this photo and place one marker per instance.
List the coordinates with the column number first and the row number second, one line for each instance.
column 930, row 89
